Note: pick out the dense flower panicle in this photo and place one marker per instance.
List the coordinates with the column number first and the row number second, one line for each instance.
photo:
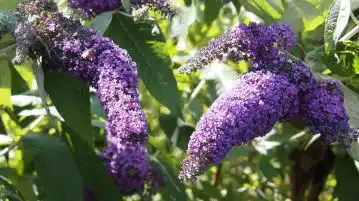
column 252, row 42
column 128, row 165
column 95, row 6
column 257, row 101
column 119, row 98
column 85, row 54
column 24, row 34
column 108, row 68
column 284, row 35
column 324, row 113
column 298, row 73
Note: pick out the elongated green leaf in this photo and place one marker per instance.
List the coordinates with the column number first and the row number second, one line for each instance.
column 211, row 10
column 102, row 21
column 55, row 166
column 5, row 83
column 336, row 22
column 347, row 179
column 173, row 190
column 148, row 50
column 126, row 5
column 72, row 100
column 92, row 169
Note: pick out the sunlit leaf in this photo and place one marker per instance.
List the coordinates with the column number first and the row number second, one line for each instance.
column 147, row 47
column 336, row 22
column 5, row 83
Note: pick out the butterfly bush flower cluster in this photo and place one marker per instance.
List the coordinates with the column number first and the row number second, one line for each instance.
column 109, row 69
column 257, row 101
column 253, row 42
column 92, row 7
column 324, row 112
column 275, row 89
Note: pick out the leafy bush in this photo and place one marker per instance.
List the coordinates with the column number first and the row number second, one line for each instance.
column 94, row 104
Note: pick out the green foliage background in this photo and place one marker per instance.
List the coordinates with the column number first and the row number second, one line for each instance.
column 52, row 125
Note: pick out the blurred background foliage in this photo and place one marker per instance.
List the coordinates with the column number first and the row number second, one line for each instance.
column 52, row 125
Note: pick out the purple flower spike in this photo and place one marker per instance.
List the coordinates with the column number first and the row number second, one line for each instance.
column 258, row 100
column 117, row 92
column 254, row 42
column 95, row 6
column 324, row 112
column 284, row 35
column 128, row 165
column 85, row 54
column 298, row 73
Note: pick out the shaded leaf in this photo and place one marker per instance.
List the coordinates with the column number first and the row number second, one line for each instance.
column 148, row 48
column 55, row 166
column 5, row 83
column 8, row 191
column 211, row 10
column 92, row 169
column 173, row 190
column 347, row 177
column 168, row 124
column 72, row 100
column 184, row 134
column 267, row 168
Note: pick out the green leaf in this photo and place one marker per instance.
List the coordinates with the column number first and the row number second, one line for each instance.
column 18, row 84
column 24, row 184
column 8, row 191
column 267, row 168
column 238, row 151
column 336, row 22
column 55, row 166
column 126, row 5
column 211, row 10
column 347, row 177
column 184, row 134
column 92, row 170
column 5, row 83
column 96, row 107
column 102, row 21
column 6, row 4
column 71, row 97
column 351, row 100
column 149, row 52
column 348, row 53
column 222, row 74
column 173, row 190
column 343, row 61
column 168, row 124
column 7, row 18
column 262, row 9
